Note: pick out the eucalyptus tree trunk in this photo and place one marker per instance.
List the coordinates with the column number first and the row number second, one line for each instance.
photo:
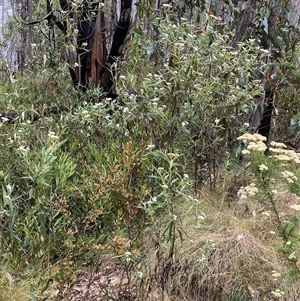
column 30, row 31
column 8, row 43
column 23, row 37
column 93, row 59
column 3, row 57
column 295, row 12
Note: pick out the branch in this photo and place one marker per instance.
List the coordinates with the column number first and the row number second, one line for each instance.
column 34, row 115
column 12, row 117
column 50, row 16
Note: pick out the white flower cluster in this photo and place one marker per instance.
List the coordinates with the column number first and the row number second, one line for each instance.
column 276, row 275
column 277, row 293
column 280, row 153
column 245, row 192
column 289, row 176
column 22, row 148
column 254, row 142
column 52, row 135
column 246, row 138
column 277, row 144
column 278, row 150
column 295, row 207
column 257, row 146
column 263, row 167
column 292, row 256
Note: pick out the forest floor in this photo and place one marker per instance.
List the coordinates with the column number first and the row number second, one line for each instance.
column 233, row 249
column 108, row 284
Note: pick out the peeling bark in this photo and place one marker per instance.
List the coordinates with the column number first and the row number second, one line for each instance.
column 98, row 52
column 91, row 62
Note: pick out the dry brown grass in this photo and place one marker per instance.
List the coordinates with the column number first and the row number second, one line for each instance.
column 231, row 265
column 14, row 288
column 231, row 255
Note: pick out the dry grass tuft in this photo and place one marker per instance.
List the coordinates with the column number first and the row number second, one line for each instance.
column 13, row 289
column 234, row 265
column 239, row 268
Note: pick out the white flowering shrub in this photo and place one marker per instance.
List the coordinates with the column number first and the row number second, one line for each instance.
column 194, row 90
column 272, row 174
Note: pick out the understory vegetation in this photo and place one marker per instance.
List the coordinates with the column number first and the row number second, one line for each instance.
column 158, row 194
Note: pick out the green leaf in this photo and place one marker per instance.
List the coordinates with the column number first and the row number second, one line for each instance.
column 295, row 81
column 31, row 292
column 260, row 109
column 138, row 31
column 265, row 25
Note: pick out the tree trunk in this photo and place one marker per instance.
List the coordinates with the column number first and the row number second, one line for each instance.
column 118, row 44
column 260, row 121
column 21, row 51
column 30, row 33
column 91, row 62
column 247, row 12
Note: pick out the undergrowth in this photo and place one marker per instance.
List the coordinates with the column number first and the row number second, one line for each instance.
column 149, row 185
